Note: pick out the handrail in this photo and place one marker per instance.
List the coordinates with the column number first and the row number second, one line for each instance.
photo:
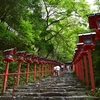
column 41, row 66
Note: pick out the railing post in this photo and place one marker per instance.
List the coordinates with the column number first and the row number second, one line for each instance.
column 15, row 81
column 77, row 70
column 35, row 62
column 5, row 77
column 39, row 71
column 42, row 69
column 51, row 69
column 27, row 72
column 18, row 76
column 82, row 70
column 86, row 70
column 20, row 59
column 29, row 59
column 91, row 70
column 34, row 71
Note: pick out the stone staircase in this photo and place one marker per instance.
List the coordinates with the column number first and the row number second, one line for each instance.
column 64, row 87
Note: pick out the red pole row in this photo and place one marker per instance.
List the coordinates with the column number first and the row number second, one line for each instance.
column 82, row 61
column 42, row 66
column 83, row 66
column 82, row 69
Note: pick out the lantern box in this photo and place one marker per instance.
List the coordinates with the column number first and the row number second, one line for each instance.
column 9, row 54
column 36, row 60
column 94, row 21
column 87, row 38
column 21, row 55
column 29, row 58
column 41, row 60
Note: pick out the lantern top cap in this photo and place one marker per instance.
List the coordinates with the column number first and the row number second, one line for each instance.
column 80, row 34
column 91, row 15
column 9, row 49
column 41, row 57
column 36, row 57
column 91, row 33
column 29, row 54
column 79, row 44
column 97, row 13
column 21, row 51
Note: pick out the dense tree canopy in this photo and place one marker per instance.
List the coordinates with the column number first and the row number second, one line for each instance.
column 47, row 28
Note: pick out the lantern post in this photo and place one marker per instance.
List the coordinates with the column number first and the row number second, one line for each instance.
column 8, row 57
column 35, row 62
column 20, row 59
column 40, row 70
column 43, row 63
column 94, row 23
column 29, row 59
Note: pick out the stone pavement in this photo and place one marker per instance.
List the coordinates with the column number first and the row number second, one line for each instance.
column 64, row 87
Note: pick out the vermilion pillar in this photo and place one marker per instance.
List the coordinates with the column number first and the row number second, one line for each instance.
column 91, row 70
column 79, row 70
column 76, row 69
column 34, row 71
column 5, row 77
column 35, row 62
column 18, row 76
column 42, row 69
column 29, row 59
column 39, row 69
column 86, row 70
column 27, row 72
column 82, row 67
column 20, row 59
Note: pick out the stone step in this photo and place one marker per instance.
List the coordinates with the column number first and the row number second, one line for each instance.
column 47, row 88
column 52, row 93
column 52, row 85
column 60, row 90
column 83, row 97
column 18, row 91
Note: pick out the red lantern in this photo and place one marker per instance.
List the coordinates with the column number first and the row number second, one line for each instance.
column 8, row 54
column 87, row 38
column 97, row 18
column 92, row 21
column 29, row 58
column 36, row 60
column 21, row 55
